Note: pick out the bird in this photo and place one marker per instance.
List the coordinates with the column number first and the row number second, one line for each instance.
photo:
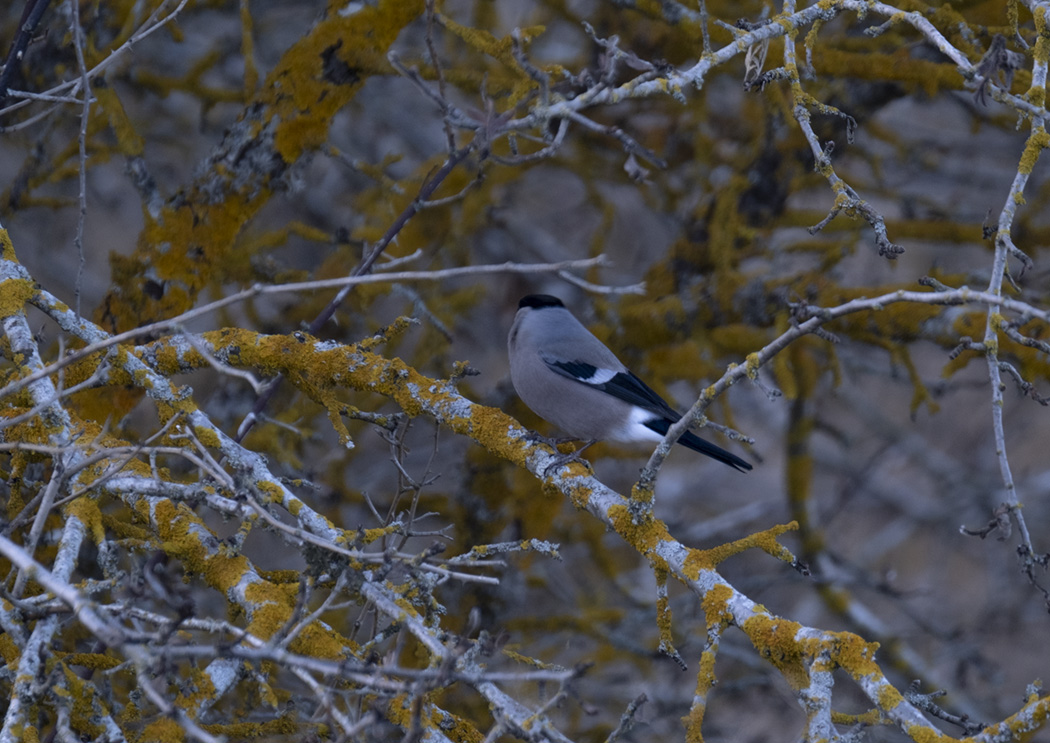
column 568, row 377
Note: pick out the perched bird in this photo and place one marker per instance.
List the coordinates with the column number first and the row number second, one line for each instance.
column 571, row 379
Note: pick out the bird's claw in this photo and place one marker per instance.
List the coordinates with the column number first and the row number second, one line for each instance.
column 563, row 459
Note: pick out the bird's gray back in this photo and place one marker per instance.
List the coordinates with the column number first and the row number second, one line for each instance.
column 555, row 334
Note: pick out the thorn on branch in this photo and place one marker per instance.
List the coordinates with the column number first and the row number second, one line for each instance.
column 539, row 76
column 674, row 655
column 1000, row 522
column 802, row 310
column 1029, row 561
column 701, row 421
column 746, row 25
column 1026, row 262
column 627, row 719
column 772, row 393
column 834, row 212
column 925, row 703
column 966, row 343
column 825, row 153
column 629, row 144
column 461, row 370
column 876, row 31
column 1011, row 331
column 934, row 284
column 1025, row 387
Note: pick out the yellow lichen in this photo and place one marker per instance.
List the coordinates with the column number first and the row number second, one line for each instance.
column 86, row 509
column 775, row 639
column 1038, row 141
column 7, row 248
column 643, row 535
column 766, row 540
column 14, row 293
column 715, row 604
column 207, row 436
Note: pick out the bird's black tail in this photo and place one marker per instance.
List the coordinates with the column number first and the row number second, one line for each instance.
column 691, row 441
column 694, row 442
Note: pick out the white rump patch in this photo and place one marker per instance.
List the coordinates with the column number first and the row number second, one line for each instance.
column 634, row 428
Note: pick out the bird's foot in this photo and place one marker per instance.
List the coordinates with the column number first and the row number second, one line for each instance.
column 563, row 459
column 550, row 441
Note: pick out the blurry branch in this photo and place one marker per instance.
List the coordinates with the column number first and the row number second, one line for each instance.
column 197, row 228
column 247, row 376
column 32, row 12
column 363, row 267
column 627, row 719
column 188, row 540
column 925, row 702
column 85, row 111
column 149, row 648
column 1005, row 249
column 593, row 288
column 75, row 90
column 35, row 648
column 694, row 569
column 233, row 480
column 809, row 320
column 546, row 117
column 846, row 199
column 435, row 59
column 805, row 656
column 98, row 340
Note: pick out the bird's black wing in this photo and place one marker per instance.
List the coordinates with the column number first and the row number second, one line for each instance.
column 629, row 388
column 620, row 384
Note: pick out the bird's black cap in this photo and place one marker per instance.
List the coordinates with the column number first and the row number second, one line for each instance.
column 539, row 301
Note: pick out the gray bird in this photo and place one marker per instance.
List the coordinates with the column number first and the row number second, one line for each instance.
column 571, row 379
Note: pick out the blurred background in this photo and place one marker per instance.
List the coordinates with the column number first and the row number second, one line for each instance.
column 878, row 441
